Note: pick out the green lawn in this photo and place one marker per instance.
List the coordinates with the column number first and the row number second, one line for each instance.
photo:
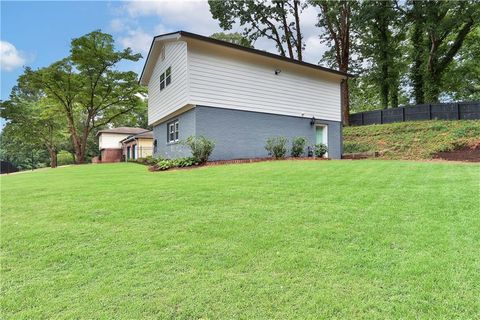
column 285, row 239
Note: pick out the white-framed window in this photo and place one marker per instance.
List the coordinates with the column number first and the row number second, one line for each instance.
column 166, row 78
column 172, row 133
column 162, row 81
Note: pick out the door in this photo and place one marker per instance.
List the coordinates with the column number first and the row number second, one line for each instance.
column 128, row 153
column 321, row 135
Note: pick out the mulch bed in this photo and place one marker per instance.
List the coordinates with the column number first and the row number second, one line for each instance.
column 220, row 162
column 236, row 161
column 467, row 154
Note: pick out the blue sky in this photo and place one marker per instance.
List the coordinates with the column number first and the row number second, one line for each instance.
column 41, row 32
column 38, row 33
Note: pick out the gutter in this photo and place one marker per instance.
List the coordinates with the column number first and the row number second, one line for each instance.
column 239, row 47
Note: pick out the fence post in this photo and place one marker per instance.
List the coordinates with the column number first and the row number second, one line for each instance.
column 430, row 111
column 458, row 110
column 381, row 116
column 362, row 119
column 403, row 114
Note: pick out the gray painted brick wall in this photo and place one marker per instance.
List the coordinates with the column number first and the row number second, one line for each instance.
column 186, row 128
column 242, row 134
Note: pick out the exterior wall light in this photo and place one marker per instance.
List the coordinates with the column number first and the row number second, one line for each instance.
column 312, row 122
column 277, row 71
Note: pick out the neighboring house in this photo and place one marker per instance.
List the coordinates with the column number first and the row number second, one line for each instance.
column 138, row 145
column 237, row 97
column 109, row 142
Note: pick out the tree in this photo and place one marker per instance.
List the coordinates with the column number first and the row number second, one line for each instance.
column 34, row 119
column 235, row 38
column 381, row 37
column 444, row 26
column 23, row 154
column 137, row 117
column 417, row 51
column 89, row 89
column 277, row 20
column 335, row 18
column 463, row 81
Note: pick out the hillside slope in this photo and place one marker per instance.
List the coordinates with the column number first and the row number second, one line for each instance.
column 414, row 140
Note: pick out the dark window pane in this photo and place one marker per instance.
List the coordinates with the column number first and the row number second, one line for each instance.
column 169, row 80
column 162, row 77
column 162, row 85
column 169, row 71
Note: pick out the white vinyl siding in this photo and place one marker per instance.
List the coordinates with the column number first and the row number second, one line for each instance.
column 174, row 95
column 111, row 140
column 251, row 85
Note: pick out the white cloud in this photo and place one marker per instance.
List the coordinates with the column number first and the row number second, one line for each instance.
column 137, row 40
column 194, row 16
column 190, row 15
column 10, row 57
column 314, row 49
column 117, row 25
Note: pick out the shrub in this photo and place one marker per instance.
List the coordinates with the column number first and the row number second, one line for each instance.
column 148, row 160
column 201, row 147
column 298, row 146
column 185, row 162
column 64, row 158
column 165, row 164
column 277, row 147
column 320, row 150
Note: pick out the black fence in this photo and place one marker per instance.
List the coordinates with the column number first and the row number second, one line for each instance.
column 7, row 167
column 437, row 111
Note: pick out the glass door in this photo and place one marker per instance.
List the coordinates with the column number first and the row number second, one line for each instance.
column 321, row 135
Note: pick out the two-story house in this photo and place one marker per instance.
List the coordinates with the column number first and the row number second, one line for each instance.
column 237, row 97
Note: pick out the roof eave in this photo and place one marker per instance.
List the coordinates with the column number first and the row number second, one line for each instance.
column 178, row 34
column 166, row 36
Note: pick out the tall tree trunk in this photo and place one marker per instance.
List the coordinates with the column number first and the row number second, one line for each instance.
column 81, row 153
column 75, row 139
column 416, row 72
column 384, row 85
column 345, row 101
column 385, row 60
column 286, row 28
column 432, row 92
column 432, row 80
column 299, row 33
column 52, row 152
column 394, row 96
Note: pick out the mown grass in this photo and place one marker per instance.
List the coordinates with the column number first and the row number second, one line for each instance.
column 412, row 140
column 284, row 239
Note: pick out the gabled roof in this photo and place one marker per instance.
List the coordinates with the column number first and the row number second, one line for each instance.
column 125, row 130
column 141, row 135
column 178, row 34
